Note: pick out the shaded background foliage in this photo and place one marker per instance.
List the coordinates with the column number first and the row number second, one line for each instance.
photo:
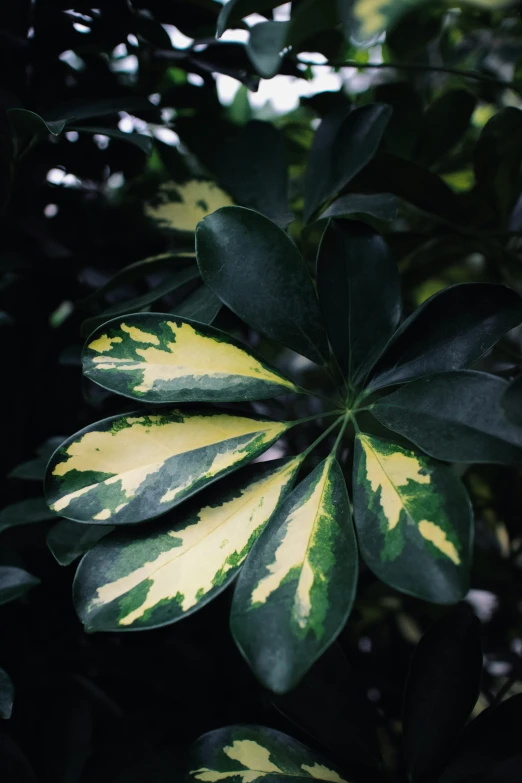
column 117, row 706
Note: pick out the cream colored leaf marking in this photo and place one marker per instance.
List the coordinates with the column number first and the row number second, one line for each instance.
column 390, row 472
column 104, row 343
column 387, row 472
column 191, row 354
column 254, row 757
column 438, row 538
column 320, row 772
column 292, row 552
column 206, row 545
column 256, row 760
column 198, row 199
column 133, row 453
column 138, row 335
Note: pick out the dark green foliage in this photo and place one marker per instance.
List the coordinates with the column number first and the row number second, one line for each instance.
column 358, row 256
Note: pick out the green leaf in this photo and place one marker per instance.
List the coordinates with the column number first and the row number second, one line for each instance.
column 252, row 167
column 67, row 541
column 382, row 206
column 248, row 754
column 511, row 401
column 26, row 126
column 234, row 11
column 137, row 466
column 202, row 305
column 442, row 688
column 164, row 262
column 257, row 271
column 159, row 358
column 25, row 512
column 7, row 693
column 454, row 416
column 491, row 739
column 144, row 143
column 171, row 283
column 297, row 587
column 450, row 331
column 331, row 705
column 180, row 206
column 34, row 469
column 413, row 519
column 445, row 121
column 15, row 582
column 359, row 289
column 343, row 144
column 265, row 45
column 413, row 183
column 367, row 19
column 145, row 579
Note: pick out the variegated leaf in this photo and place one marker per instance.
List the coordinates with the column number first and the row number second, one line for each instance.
column 297, row 587
column 152, row 577
column 180, row 207
column 161, row 358
column 413, row 519
column 67, row 541
column 370, row 18
column 248, row 754
column 137, row 466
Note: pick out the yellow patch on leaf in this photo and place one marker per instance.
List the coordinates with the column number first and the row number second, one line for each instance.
column 198, row 199
column 388, row 473
column 189, row 570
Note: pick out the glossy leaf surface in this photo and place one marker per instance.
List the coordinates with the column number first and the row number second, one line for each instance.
column 68, row 540
column 157, row 576
column 6, row 695
column 413, row 520
column 343, row 144
column 247, row 754
column 134, row 467
column 157, row 358
column 382, row 206
column 360, row 316
column 257, row 271
column 454, row 416
column 296, row 589
column 234, row 11
column 511, row 401
column 442, row 688
column 450, row 331
column 14, row 582
column 25, row 512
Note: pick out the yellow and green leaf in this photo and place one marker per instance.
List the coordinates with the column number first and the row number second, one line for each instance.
column 413, row 520
column 298, row 584
column 248, row 754
column 147, row 578
column 134, row 467
column 180, row 207
column 161, row 358
column 370, row 18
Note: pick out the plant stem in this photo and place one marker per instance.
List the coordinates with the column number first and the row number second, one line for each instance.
column 418, row 67
column 354, row 422
column 321, row 437
column 340, row 435
column 324, row 397
column 316, row 416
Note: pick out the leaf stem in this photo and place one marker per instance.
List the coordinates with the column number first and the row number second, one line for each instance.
column 340, row 435
column 354, row 422
column 465, row 74
column 321, row 437
column 316, row 416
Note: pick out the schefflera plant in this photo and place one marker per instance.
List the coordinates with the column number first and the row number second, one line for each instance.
column 295, row 543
